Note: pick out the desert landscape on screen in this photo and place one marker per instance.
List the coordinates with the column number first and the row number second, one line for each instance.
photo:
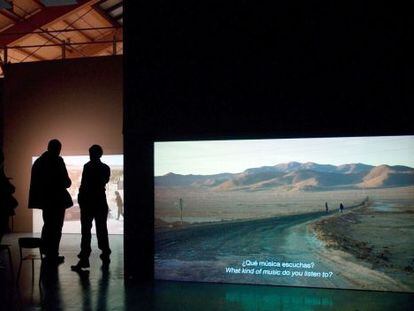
column 207, row 225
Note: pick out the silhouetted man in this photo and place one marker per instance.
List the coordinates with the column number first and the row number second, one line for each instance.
column 48, row 184
column 341, row 207
column 326, row 207
column 93, row 205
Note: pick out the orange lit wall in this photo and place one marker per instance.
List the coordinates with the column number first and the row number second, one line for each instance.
column 78, row 101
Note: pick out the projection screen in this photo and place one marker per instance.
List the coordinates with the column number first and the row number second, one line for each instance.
column 333, row 212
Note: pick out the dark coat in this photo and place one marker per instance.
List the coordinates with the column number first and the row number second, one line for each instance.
column 48, row 184
column 95, row 176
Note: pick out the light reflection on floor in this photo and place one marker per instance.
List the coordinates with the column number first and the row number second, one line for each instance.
column 105, row 290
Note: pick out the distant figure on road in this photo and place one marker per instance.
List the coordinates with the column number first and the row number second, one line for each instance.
column 93, row 205
column 341, row 207
column 120, row 205
column 48, row 192
column 326, row 207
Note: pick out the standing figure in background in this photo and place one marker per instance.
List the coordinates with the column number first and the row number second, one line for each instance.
column 326, row 207
column 7, row 202
column 120, row 205
column 93, row 205
column 48, row 192
column 341, row 207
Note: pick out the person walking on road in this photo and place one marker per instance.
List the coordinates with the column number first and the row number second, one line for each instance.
column 119, row 204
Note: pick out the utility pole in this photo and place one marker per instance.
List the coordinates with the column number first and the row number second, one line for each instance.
column 181, row 210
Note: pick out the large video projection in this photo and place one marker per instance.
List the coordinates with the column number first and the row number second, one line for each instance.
column 313, row 212
column 114, row 195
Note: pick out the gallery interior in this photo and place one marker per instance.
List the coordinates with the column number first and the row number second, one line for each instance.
column 70, row 70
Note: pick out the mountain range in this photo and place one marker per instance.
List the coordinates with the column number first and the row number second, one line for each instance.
column 297, row 176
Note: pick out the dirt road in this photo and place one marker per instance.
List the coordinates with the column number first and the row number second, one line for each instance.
column 204, row 252
column 228, row 252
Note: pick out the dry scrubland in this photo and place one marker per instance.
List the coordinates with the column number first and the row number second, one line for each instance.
column 207, row 206
column 379, row 235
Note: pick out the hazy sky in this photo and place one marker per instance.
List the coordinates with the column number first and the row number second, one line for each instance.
column 211, row 157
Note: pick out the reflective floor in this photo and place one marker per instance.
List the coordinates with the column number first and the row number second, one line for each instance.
column 63, row 289
column 60, row 288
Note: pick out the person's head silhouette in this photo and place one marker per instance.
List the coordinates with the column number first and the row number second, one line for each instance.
column 95, row 152
column 54, row 147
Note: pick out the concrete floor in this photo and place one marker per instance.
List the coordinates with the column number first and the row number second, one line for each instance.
column 105, row 290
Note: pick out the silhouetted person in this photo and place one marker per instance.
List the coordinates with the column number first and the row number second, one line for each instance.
column 7, row 202
column 326, row 207
column 48, row 192
column 120, row 205
column 341, row 207
column 93, row 205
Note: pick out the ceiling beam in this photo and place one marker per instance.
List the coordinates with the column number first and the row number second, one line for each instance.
column 43, row 18
column 10, row 15
column 82, row 33
column 93, row 49
column 45, row 34
column 50, row 38
column 59, row 31
column 31, row 54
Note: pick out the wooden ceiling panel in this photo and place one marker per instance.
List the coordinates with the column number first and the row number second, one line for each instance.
column 34, row 32
column 5, row 20
column 28, row 5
